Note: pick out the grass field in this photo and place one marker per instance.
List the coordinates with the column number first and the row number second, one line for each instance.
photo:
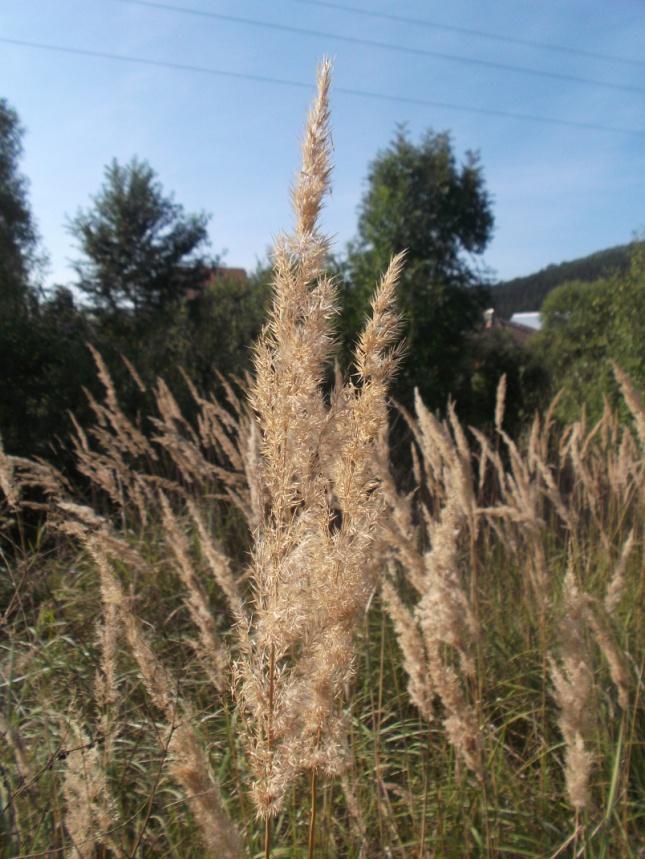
column 252, row 635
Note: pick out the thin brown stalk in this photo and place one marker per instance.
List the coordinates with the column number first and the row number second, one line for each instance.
column 633, row 399
column 313, row 799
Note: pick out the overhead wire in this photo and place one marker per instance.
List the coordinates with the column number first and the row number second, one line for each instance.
column 389, row 46
column 470, row 31
column 369, row 94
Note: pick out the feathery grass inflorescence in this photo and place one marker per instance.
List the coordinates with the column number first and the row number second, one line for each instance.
column 438, row 636
column 633, row 399
column 472, row 659
column 187, row 759
column 90, row 811
column 573, row 688
column 309, row 578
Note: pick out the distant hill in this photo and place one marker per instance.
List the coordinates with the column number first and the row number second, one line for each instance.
column 528, row 293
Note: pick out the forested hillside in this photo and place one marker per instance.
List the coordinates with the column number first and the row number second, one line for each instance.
column 528, row 293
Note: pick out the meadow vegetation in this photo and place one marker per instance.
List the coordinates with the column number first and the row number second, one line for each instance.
column 255, row 630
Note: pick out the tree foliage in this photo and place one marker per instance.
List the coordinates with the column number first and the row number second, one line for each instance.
column 528, row 293
column 45, row 365
column 140, row 250
column 150, row 297
column 491, row 354
column 585, row 328
column 31, row 344
column 18, row 236
column 419, row 198
column 147, row 277
column 225, row 321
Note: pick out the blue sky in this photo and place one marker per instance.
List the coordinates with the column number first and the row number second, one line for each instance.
column 230, row 146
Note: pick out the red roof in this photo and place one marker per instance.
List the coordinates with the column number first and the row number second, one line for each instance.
column 222, row 272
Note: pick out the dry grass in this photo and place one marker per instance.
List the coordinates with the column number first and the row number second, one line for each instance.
column 248, row 640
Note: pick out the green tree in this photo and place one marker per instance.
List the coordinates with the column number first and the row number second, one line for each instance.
column 19, row 296
column 143, row 262
column 420, row 199
column 586, row 326
column 44, row 376
column 141, row 252
column 225, row 320
column 491, row 354
column 18, row 235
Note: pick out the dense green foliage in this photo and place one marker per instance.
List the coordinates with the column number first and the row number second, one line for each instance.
column 420, row 199
column 223, row 322
column 491, row 354
column 150, row 297
column 18, row 237
column 587, row 326
column 45, row 364
column 140, row 250
column 42, row 356
column 528, row 293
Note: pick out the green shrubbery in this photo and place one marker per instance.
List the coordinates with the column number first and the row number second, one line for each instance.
column 586, row 328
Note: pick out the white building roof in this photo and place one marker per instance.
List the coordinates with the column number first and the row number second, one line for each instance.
column 531, row 320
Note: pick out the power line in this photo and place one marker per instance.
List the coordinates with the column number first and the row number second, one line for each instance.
column 389, row 46
column 480, row 34
column 380, row 96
